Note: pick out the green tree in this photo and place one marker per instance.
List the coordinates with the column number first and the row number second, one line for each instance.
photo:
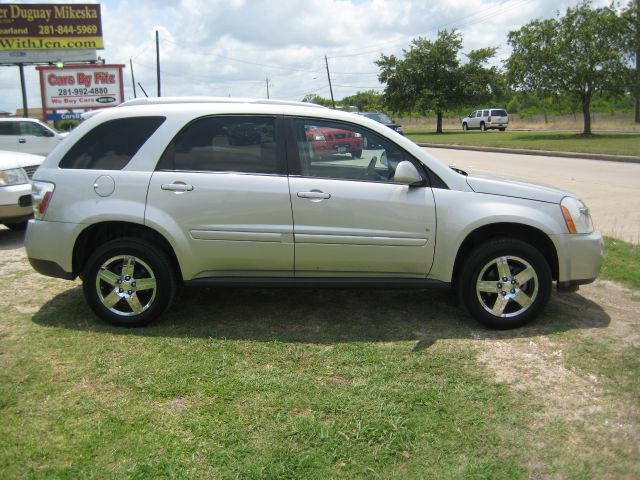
column 431, row 76
column 317, row 99
column 365, row 101
column 581, row 53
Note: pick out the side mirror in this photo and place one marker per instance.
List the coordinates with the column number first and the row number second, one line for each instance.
column 48, row 133
column 408, row 174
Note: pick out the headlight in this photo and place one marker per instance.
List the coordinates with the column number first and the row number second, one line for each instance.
column 576, row 215
column 13, row 176
column 357, row 135
column 318, row 138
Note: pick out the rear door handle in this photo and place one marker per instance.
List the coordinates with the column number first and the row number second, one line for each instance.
column 177, row 187
column 314, row 194
column 22, row 140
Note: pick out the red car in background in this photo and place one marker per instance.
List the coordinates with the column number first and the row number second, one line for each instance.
column 326, row 141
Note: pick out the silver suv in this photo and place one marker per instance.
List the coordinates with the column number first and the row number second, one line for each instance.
column 486, row 119
column 146, row 197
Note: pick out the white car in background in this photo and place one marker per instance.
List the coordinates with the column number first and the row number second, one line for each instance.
column 28, row 135
column 16, row 170
column 486, row 119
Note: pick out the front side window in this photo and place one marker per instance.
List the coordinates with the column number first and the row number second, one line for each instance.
column 239, row 144
column 329, row 149
column 32, row 128
column 111, row 145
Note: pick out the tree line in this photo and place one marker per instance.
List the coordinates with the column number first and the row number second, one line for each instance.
column 569, row 64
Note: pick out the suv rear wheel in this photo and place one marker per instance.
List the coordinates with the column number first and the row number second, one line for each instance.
column 483, row 127
column 129, row 282
column 505, row 283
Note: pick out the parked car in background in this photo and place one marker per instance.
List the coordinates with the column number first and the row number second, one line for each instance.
column 383, row 119
column 486, row 119
column 328, row 141
column 28, row 135
column 16, row 170
column 144, row 198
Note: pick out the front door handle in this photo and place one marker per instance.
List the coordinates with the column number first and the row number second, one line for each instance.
column 22, row 140
column 177, row 187
column 314, row 194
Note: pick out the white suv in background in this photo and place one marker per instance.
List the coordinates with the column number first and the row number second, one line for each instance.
column 486, row 119
column 16, row 170
column 145, row 197
column 28, row 135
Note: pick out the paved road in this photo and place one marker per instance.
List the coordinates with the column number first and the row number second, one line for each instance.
column 610, row 189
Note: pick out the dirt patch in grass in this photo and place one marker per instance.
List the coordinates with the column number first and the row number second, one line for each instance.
column 585, row 404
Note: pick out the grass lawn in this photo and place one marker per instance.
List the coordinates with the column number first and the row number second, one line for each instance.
column 621, row 262
column 271, row 383
column 607, row 143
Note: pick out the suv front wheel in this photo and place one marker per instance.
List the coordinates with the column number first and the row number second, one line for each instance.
column 505, row 283
column 129, row 282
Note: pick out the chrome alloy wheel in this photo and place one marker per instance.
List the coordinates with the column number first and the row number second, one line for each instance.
column 126, row 285
column 507, row 286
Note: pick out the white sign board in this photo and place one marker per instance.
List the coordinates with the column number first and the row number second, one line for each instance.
column 81, row 86
column 47, row 56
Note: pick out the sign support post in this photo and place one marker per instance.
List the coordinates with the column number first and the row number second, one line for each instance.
column 25, row 109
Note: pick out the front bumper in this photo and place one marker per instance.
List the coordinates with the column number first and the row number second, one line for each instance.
column 579, row 258
column 15, row 203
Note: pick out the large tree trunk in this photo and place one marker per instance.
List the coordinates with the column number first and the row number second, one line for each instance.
column 439, row 122
column 586, row 113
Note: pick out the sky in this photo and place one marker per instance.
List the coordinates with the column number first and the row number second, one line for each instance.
column 230, row 47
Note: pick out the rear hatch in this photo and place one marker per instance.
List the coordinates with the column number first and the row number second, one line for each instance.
column 499, row 116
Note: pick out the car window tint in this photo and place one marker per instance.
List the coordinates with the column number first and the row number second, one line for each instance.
column 243, row 144
column 6, row 128
column 31, row 128
column 499, row 113
column 111, row 145
column 342, row 151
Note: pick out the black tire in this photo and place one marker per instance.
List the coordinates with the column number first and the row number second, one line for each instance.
column 356, row 153
column 149, row 286
column 17, row 226
column 481, row 285
column 483, row 127
column 465, row 127
column 502, row 129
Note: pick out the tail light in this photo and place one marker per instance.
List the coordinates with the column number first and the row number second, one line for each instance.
column 41, row 193
column 489, row 119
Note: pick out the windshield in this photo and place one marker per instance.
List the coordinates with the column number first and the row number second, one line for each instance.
column 378, row 117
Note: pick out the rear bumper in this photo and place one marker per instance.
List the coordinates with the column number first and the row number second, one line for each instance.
column 49, row 247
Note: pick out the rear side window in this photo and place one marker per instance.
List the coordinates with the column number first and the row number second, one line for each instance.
column 499, row 113
column 238, row 143
column 112, row 144
column 6, row 128
column 485, row 113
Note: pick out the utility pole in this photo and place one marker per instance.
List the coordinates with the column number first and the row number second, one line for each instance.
column 133, row 79
column 158, row 61
column 637, row 42
column 326, row 62
column 25, row 109
column 267, row 79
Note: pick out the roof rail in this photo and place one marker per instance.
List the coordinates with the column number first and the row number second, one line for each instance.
column 169, row 100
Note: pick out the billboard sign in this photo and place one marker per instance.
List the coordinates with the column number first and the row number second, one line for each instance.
column 13, row 57
column 64, row 116
column 81, row 86
column 50, row 26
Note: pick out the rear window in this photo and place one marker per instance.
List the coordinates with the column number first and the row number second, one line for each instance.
column 499, row 113
column 112, row 144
